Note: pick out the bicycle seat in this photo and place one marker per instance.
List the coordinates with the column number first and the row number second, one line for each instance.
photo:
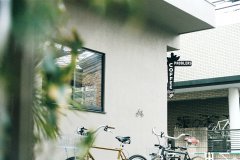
column 182, row 148
column 158, row 145
column 125, row 140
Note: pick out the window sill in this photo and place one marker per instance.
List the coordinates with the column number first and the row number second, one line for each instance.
column 88, row 110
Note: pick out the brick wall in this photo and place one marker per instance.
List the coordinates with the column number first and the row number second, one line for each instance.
column 200, row 95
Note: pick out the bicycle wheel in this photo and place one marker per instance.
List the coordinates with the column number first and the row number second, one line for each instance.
column 137, row 157
column 159, row 158
column 198, row 158
column 76, row 158
column 73, row 158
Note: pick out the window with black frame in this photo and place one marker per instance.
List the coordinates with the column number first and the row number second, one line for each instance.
column 88, row 79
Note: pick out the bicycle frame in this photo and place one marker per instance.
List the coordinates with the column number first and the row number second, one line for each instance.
column 89, row 156
column 120, row 156
column 120, row 153
column 225, row 123
column 166, row 152
column 166, row 136
column 186, row 155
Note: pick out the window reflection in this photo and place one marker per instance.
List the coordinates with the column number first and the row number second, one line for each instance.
column 87, row 81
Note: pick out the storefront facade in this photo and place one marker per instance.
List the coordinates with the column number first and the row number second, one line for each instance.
column 210, row 87
column 134, row 98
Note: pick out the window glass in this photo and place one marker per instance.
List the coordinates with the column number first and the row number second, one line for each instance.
column 88, row 79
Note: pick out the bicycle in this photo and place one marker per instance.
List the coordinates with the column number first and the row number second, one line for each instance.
column 220, row 136
column 221, row 128
column 168, row 152
column 120, row 151
column 222, row 125
column 205, row 121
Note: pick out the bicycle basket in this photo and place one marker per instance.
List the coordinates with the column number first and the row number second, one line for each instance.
column 69, row 141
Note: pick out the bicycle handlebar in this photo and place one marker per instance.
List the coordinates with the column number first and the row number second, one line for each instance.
column 82, row 130
column 166, row 136
column 108, row 127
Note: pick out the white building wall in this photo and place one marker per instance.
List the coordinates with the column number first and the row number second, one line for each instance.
column 199, row 8
column 214, row 53
column 135, row 78
column 228, row 16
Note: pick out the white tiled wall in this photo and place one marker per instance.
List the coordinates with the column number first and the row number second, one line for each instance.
column 214, row 53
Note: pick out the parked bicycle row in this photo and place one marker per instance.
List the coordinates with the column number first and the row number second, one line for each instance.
column 212, row 122
column 167, row 151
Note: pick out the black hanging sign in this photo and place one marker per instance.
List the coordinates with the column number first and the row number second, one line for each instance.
column 171, row 63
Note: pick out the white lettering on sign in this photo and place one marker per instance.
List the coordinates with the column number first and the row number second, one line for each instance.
column 183, row 63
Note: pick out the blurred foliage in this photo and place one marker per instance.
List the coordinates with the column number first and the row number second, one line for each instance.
column 45, row 121
column 55, row 85
column 36, row 20
column 114, row 9
column 35, row 29
column 34, row 32
column 86, row 144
